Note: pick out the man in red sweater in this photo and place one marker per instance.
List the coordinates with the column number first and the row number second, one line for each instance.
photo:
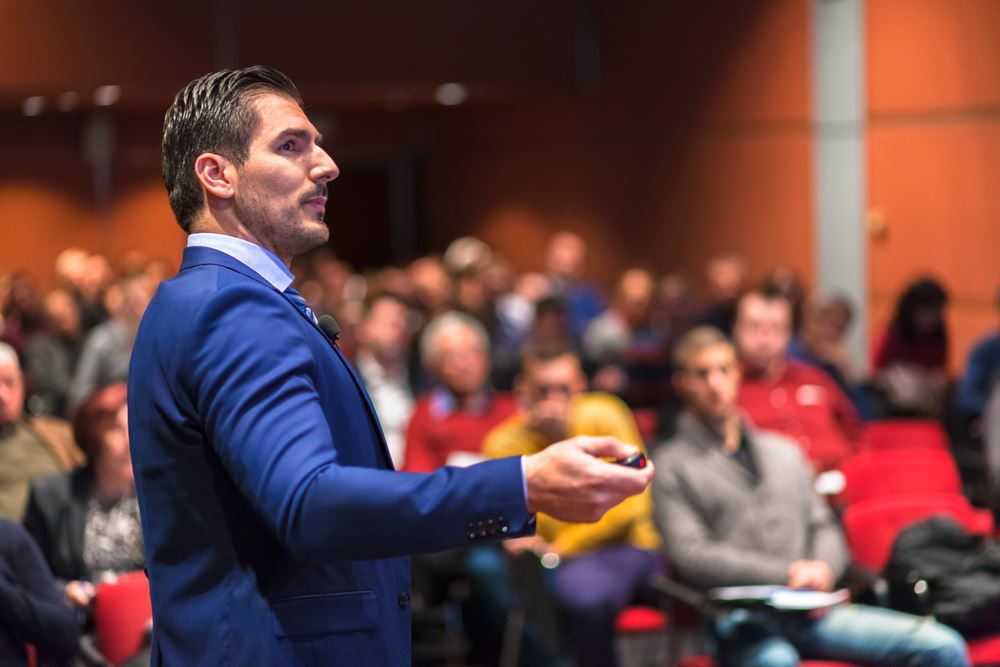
column 449, row 423
column 787, row 396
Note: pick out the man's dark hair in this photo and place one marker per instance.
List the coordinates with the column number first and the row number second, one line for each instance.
column 544, row 351
column 213, row 114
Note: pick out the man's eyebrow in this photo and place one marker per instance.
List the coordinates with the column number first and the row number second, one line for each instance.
column 300, row 133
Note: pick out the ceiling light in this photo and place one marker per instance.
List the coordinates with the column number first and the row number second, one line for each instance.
column 451, row 94
column 105, row 96
column 32, row 106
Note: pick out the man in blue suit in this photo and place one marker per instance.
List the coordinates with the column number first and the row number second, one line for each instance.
column 275, row 527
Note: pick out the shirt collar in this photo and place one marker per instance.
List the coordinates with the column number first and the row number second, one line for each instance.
column 260, row 260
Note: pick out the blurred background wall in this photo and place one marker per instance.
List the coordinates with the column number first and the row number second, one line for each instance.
column 663, row 132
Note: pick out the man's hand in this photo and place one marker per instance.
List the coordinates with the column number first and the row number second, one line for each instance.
column 80, row 593
column 568, row 480
column 813, row 574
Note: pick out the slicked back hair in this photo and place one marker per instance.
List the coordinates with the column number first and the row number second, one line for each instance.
column 213, row 114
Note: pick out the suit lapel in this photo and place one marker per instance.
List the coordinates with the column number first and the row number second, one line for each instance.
column 195, row 256
column 372, row 414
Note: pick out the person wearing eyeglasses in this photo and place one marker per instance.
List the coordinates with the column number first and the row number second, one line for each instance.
column 598, row 568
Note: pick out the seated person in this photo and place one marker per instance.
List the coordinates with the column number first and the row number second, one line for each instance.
column 910, row 364
column 382, row 359
column 626, row 344
column 30, row 447
column 822, row 343
column 86, row 522
column 31, row 607
column 603, row 564
column 788, row 396
column 982, row 371
column 736, row 506
column 449, row 423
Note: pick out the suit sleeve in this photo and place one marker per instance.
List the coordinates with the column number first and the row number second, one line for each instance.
column 252, row 377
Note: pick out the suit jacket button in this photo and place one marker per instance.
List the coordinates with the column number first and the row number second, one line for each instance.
column 404, row 600
column 472, row 535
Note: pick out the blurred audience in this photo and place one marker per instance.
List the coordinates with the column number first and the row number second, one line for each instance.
column 108, row 348
column 785, row 281
column 86, row 522
column 725, row 277
column 86, row 277
column 455, row 313
column 565, row 261
column 982, row 371
column 601, row 565
column 736, row 506
column 449, row 423
column 515, row 314
column 785, row 395
column 21, row 312
column 382, row 359
column 628, row 352
column 32, row 610
column 822, row 343
column 30, row 447
column 51, row 356
column 677, row 306
column 911, row 359
column 433, row 292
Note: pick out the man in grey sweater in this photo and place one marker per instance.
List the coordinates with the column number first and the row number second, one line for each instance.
column 736, row 507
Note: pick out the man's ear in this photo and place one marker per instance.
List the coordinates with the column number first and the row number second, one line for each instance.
column 215, row 174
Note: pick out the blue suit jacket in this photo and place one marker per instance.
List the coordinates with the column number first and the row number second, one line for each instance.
column 275, row 528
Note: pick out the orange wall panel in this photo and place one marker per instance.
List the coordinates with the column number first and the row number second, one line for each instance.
column 933, row 55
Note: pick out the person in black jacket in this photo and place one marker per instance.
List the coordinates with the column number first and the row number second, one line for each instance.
column 31, row 606
column 86, row 522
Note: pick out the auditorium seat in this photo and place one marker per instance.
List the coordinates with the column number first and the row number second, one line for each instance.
column 122, row 611
column 642, row 634
column 705, row 661
column 903, row 433
column 898, row 471
column 871, row 525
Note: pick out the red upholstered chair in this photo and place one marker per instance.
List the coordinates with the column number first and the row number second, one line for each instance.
column 641, row 620
column 705, row 661
column 903, row 433
column 122, row 611
column 872, row 525
column 899, row 471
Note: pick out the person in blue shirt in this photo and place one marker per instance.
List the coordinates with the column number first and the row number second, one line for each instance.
column 982, row 370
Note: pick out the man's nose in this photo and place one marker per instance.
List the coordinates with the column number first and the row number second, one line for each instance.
column 326, row 169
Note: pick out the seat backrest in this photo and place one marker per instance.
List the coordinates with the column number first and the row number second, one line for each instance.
column 872, row 525
column 122, row 611
column 897, row 433
column 899, row 471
